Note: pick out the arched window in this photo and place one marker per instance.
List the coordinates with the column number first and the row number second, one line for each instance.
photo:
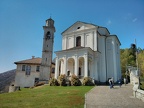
column 78, row 41
column 48, row 35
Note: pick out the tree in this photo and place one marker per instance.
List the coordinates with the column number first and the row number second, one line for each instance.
column 141, row 61
column 124, row 57
column 128, row 58
column 132, row 55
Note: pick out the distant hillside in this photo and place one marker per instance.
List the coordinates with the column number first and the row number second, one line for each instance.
column 6, row 79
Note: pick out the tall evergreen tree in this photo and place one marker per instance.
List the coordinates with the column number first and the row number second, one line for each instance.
column 132, row 55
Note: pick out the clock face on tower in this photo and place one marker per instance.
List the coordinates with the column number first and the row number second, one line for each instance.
column 48, row 35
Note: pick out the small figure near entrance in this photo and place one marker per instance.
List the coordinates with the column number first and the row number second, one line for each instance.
column 125, row 81
column 111, row 83
column 119, row 82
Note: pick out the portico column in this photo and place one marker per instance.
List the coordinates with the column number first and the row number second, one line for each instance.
column 56, row 68
column 86, row 65
column 65, row 65
column 76, row 65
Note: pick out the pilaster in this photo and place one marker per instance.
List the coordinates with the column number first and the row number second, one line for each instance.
column 65, row 65
column 86, row 65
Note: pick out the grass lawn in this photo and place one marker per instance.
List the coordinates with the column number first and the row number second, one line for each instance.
column 46, row 97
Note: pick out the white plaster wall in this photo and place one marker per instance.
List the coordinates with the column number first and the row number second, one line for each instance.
column 70, row 42
column 113, row 58
column 110, row 63
column 102, row 65
column 95, row 44
column 89, row 40
column 83, row 40
column 23, row 80
column 95, row 68
column 63, row 43
column 116, row 58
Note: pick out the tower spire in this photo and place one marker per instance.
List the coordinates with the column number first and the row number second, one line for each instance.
column 50, row 15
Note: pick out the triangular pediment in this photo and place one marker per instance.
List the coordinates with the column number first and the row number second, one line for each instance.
column 79, row 26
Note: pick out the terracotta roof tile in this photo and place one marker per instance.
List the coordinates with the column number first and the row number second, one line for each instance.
column 30, row 61
column 36, row 61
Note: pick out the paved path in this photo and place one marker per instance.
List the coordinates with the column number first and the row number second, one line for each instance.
column 104, row 97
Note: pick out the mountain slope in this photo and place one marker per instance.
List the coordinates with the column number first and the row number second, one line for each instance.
column 6, row 79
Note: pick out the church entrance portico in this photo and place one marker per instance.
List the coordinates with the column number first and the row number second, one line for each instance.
column 77, row 61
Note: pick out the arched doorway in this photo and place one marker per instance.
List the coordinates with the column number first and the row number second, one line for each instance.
column 70, row 66
column 61, row 67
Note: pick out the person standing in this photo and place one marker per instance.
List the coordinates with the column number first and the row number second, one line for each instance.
column 119, row 82
column 125, row 81
column 110, row 83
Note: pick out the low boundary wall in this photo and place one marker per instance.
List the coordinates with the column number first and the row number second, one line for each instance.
column 138, row 93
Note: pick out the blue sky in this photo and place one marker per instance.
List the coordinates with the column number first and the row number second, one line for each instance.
column 21, row 22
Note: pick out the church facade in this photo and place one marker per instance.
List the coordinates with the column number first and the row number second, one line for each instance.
column 89, row 50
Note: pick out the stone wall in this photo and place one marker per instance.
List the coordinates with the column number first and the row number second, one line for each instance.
column 134, row 79
column 138, row 93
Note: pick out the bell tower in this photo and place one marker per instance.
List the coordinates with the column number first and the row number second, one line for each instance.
column 47, row 51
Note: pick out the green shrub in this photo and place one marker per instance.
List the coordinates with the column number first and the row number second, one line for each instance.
column 87, row 81
column 75, row 81
column 53, row 82
column 62, row 80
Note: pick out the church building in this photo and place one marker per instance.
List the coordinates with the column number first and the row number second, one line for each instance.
column 89, row 50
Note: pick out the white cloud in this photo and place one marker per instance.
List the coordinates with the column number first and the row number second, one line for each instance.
column 128, row 16
column 134, row 20
column 109, row 22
